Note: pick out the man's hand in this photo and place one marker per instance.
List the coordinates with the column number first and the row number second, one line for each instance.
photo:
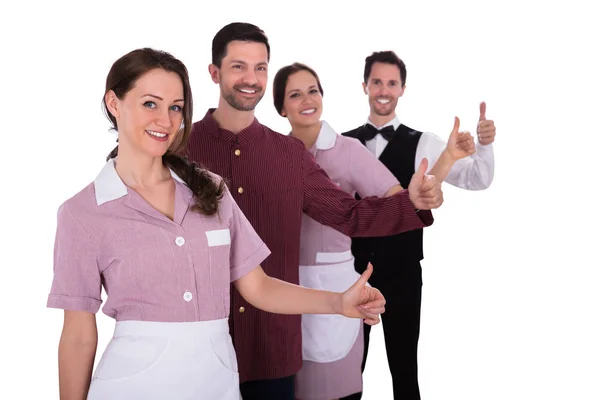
column 424, row 190
column 486, row 130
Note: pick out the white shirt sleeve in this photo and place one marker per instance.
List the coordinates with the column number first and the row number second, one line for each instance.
column 472, row 173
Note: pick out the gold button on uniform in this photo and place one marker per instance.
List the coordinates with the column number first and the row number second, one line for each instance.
column 240, row 190
column 242, row 309
column 237, row 152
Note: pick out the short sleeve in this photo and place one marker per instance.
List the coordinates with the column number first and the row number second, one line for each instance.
column 247, row 249
column 369, row 176
column 76, row 284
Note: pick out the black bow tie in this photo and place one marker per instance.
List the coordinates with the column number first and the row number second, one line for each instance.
column 370, row 132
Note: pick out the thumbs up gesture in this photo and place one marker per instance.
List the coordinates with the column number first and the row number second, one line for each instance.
column 460, row 144
column 362, row 301
column 486, row 130
column 425, row 191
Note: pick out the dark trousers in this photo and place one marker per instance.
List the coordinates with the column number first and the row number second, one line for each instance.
column 401, row 322
column 269, row 389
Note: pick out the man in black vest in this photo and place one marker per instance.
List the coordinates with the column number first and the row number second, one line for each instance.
column 396, row 259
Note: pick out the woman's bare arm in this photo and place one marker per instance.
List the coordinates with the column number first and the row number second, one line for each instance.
column 76, row 353
column 279, row 297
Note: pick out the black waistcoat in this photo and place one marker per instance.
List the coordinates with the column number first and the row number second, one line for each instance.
column 399, row 157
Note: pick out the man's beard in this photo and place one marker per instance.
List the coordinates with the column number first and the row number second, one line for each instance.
column 243, row 104
column 383, row 110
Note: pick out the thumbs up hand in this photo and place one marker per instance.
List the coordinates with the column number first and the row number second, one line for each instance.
column 425, row 191
column 460, row 144
column 486, row 130
column 362, row 301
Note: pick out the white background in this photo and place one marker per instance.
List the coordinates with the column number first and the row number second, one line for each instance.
column 510, row 299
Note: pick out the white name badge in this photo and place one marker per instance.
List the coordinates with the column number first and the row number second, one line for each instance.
column 219, row 237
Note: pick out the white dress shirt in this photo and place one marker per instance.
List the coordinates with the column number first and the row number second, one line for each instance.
column 475, row 172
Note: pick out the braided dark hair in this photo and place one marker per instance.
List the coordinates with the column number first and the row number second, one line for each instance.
column 122, row 77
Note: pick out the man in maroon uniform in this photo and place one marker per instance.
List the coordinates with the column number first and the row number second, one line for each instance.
column 274, row 180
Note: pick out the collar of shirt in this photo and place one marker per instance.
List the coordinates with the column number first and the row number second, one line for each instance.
column 327, row 137
column 395, row 123
column 109, row 186
column 246, row 135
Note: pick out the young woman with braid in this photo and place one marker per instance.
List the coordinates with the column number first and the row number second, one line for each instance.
column 164, row 238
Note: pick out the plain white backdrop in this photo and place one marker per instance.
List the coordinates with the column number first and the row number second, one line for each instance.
column 510, row 299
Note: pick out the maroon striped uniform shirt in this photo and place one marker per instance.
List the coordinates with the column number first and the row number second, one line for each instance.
column 274, row 179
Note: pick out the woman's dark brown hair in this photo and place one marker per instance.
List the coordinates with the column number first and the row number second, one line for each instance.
column 121, row 79
column 281, row 79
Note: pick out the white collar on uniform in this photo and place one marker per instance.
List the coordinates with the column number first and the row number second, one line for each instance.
column 395, row 123
column 109, row 186
column 327, row 137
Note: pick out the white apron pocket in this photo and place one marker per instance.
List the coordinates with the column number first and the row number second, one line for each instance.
column 328, row 337
column 223, row 349
column 129, row 356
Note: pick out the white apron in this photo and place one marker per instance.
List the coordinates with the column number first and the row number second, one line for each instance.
column 167, row 360
column 328, row 337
